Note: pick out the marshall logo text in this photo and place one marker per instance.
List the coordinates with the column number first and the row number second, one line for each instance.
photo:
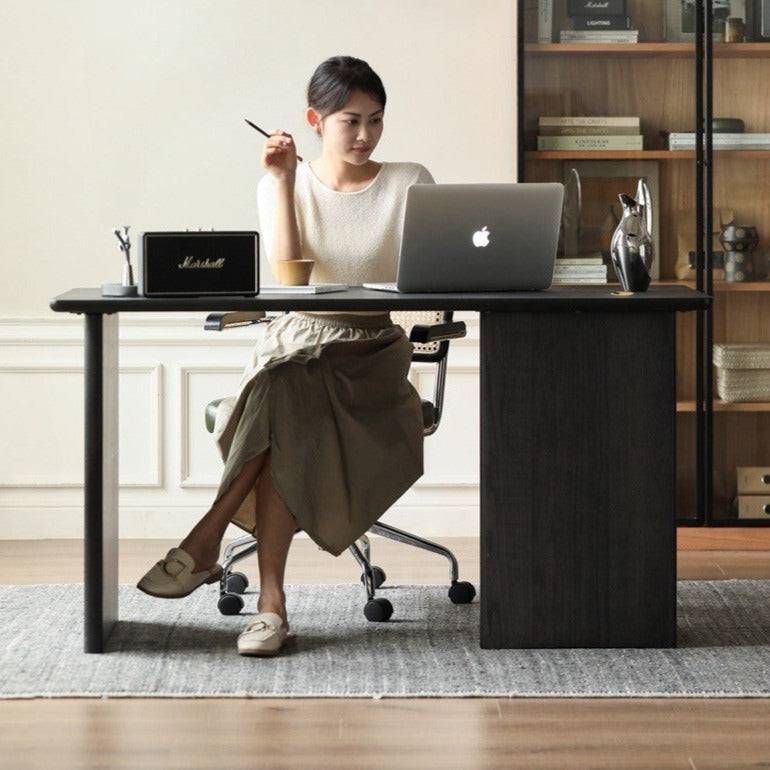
column 194, row 262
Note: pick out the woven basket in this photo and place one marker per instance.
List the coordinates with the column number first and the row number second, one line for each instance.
column 743, row 371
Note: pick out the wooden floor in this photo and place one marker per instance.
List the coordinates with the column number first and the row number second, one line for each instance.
column 396, row 734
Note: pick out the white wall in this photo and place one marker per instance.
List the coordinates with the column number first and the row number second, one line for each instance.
column 132, row 113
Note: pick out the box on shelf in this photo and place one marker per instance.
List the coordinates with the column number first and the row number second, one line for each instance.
column 754, row 506
column 753, row 481
column 743, row 371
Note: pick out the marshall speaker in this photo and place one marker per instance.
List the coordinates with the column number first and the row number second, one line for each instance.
column 199, row 264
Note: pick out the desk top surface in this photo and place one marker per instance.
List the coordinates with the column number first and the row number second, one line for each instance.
column 558, row 298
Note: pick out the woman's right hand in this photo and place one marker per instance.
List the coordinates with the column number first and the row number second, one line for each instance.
column 279, row 155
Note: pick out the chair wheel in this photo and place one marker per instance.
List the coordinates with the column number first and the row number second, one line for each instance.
column 462, row 592
column 378, row 610
column 379, row 576
column 237, row 583
column 230, row 604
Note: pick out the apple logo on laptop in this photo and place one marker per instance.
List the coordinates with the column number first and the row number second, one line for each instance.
column 481, row 237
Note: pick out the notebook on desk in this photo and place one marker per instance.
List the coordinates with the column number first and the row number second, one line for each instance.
column 478, row 237
column 319, row 288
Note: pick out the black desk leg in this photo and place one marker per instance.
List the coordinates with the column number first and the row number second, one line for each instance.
column 101, row 479
column 578, row 463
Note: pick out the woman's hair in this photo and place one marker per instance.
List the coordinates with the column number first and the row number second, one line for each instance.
column 334, row 81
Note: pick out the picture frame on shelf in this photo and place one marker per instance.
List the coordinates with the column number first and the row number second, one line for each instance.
column 601, row 182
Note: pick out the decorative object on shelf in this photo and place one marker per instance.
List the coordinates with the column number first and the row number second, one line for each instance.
column 601, row 182
column 684, row 269
column 128, row 288
column 644, row 199
column 735, row 30
column 743, row 371
column 570, row 215
column 611, row 221
column 680, row 19
column 631, row 247
column 544, row 21
column 762, row 27
column 739, row 241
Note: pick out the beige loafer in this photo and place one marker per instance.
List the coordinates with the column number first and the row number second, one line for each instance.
column 173, row 578
column 265, row 635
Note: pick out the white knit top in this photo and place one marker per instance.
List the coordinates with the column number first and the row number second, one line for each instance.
column 352, row 236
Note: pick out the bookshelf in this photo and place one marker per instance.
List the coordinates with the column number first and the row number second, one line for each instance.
column 655, row 79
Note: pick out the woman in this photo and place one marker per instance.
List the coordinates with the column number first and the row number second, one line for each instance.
column 325, row 432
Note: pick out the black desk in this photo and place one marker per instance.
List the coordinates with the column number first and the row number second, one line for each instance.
column 578, row 461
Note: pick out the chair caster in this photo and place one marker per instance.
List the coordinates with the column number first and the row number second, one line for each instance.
column 462, row 592
column 230, row 604
column 237, row 583
column 378, row 610
column 379, row 576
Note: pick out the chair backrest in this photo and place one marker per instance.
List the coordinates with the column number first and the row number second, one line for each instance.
column 423, row 351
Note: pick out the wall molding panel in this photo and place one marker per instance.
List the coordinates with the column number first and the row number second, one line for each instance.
column 170, row 368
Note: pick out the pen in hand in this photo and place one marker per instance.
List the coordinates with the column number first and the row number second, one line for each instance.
column 264, row 133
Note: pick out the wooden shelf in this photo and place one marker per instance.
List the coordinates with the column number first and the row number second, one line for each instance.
column 637, row 154
column 721, row 50
column 729, row 286
column 724, row 406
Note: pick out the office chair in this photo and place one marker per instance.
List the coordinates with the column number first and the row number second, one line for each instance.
column 430, row 332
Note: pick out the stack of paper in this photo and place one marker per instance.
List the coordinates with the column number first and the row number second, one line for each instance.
column 317, row 288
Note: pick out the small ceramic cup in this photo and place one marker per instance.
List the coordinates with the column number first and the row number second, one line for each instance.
column 294, row 272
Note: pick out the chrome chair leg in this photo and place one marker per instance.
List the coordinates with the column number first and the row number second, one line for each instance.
column 364, row 540
column 393, row 533
column 366, row 567
column 230, row 547
column 247, row 545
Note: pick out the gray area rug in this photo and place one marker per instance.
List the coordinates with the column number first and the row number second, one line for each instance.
column 186, row 648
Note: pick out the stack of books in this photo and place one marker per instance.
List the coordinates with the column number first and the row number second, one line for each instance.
column 589, row 133
column 599, row 21
column 721, row 141
column 586, row 269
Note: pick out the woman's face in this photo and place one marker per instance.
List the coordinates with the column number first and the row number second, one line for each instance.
column 357, row 124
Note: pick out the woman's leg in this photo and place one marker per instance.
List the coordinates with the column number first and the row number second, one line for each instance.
column 276, row 526
column 275, row 529
column 204, row 540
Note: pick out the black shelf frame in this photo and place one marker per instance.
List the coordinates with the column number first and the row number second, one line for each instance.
column 704, row 280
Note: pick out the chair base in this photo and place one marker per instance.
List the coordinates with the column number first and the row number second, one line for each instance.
column 233, row 584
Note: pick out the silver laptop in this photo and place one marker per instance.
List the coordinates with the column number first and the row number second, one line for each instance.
column 478, row 237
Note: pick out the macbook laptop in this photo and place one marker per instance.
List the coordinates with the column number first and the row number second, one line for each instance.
column 478, row 237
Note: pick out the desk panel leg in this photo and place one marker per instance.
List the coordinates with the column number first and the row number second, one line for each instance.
column 101, row 479
column 578, row 464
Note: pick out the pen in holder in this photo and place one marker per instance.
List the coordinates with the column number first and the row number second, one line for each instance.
column 128, row 288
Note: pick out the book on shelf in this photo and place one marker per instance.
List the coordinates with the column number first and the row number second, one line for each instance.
column 578, row 142
column 584, row 272
column 590, row 259
column 601, row 22
column 557, row 280
column 558, row 121
column 588, row 130
column 720, row 141
column 596, row 7
column 598, row 36
column 316, row 288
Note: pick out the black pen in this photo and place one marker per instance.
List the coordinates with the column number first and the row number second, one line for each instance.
column 264, row 133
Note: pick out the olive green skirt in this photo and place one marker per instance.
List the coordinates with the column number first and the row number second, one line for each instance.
column 329, row 396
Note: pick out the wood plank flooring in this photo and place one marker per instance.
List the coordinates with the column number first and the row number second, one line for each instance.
column 300, row 734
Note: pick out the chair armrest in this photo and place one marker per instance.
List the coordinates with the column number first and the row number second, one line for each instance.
column 437, row 332
column 218, row 321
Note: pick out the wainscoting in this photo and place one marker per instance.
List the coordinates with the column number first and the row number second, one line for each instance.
column 169, row 464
